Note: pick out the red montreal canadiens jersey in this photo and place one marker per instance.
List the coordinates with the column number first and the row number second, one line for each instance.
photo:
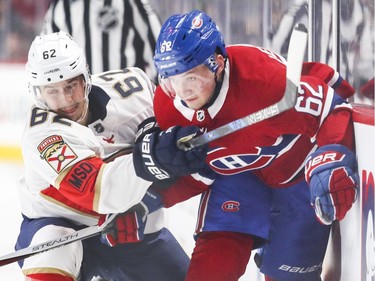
column 275, row 149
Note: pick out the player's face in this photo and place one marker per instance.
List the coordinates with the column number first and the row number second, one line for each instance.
column 195, row 87
column 66, row 98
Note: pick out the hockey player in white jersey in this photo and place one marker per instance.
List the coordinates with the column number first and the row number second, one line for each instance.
column 76, row 174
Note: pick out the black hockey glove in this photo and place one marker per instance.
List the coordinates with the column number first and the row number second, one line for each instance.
column 156, row 155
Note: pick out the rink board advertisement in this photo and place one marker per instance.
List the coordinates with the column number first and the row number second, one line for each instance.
column 15, row 101
column 357, row 229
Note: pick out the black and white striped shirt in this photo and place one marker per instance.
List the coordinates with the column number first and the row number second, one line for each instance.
column 113, row 33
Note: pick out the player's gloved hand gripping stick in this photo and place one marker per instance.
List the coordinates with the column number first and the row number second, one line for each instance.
column 129, row 227
column 331, row 172
column 296, row 54
column 150, row 203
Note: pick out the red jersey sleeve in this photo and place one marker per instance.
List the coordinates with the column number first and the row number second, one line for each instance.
column 316, row 105
column 183, row 189
column 329, row 76
column 337, row 129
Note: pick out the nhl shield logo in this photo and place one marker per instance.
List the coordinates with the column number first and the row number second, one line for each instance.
column 200, row 115
column 107, row 18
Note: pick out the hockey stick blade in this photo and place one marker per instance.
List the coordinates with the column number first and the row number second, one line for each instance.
column 30, row 251
column 296, row 54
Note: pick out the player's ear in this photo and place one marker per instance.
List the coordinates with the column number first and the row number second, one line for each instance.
column 220, row 60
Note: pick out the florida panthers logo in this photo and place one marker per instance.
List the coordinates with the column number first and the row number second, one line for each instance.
column 56, row 152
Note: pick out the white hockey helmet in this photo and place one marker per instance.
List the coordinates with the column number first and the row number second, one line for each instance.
column 54, row 58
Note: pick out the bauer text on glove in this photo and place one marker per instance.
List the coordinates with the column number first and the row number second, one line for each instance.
column 331, row 172
column 157, row 156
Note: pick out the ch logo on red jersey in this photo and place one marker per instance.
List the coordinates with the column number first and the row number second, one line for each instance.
column 226, row 161
column 233, row 164
column 230, row 206
column 56, row 152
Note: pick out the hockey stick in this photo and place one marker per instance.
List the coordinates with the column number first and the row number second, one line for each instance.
column 55, row 243
column 66, row 239
column 296, row 54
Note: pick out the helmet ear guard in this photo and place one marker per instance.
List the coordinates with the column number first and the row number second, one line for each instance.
column 186, row 41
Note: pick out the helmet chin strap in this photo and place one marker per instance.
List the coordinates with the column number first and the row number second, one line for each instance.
column 218, row 84
column 83, row 120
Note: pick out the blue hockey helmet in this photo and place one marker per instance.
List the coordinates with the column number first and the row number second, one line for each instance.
column 186, row 41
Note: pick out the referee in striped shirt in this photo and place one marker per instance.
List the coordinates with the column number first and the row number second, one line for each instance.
column 113, row 33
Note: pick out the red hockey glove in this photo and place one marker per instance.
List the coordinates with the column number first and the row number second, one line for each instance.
column 125, row 228
column 331, row 172
column 129, row 227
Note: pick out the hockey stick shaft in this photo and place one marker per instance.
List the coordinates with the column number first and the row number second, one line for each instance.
column 296, row 53
column 30, row 251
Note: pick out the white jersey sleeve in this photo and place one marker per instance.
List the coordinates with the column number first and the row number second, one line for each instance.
column 65, row 175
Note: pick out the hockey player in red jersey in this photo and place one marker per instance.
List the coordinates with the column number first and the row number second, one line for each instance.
column 269, row 177
column 77, row 174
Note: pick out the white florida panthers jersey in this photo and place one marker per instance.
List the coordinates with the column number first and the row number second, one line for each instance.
column 65, row 175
